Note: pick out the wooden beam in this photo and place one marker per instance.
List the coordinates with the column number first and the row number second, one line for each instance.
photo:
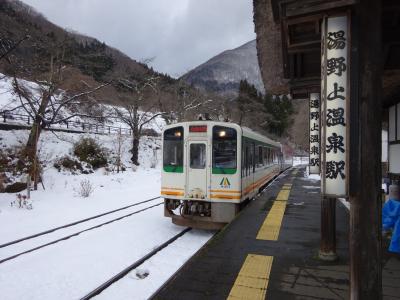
column 365, row 166
column 304, row 7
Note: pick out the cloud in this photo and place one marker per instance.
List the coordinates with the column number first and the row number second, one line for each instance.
column 180, row 34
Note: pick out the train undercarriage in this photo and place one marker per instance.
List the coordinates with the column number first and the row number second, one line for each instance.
column 200, row 214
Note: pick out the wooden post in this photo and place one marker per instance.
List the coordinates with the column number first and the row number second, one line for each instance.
column 365, row 171
column 28, row 186
column 327, row 250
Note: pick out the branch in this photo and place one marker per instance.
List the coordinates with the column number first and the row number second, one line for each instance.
column 12, row 109
column 185, row 107
column 198, row 105
column 144, row 114
column 20, row 92
column 11, row 49
column 70, row 117
column 65, row 102
column 121, row 116
column 148, row 121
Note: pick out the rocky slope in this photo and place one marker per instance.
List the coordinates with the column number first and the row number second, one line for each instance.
column 223, row 72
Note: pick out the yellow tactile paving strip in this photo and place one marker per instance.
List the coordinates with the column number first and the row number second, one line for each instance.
column 283, row 195
column 271, row 227
column 252, row 280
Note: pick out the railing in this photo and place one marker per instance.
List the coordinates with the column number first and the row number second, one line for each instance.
column 78, row 126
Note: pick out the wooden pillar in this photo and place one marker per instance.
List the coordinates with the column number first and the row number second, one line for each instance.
column 365, row 171
column 328, row 229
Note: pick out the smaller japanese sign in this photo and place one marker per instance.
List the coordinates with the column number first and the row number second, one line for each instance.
column 315, row 137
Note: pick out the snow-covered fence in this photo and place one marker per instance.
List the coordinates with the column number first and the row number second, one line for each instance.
column 78, row 126
column 5, row 115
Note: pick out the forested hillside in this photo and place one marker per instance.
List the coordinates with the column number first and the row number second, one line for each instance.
column 37, row 46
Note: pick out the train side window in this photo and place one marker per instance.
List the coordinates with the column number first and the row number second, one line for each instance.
column 253, row 158
column 224, row 156
column 260, row 156
column 247, row 159
column 270, row 157
column 265, row 156
column 173, row 150
column 243, row 160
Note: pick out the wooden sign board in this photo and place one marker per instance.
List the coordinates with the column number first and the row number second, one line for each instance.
column 335, row 91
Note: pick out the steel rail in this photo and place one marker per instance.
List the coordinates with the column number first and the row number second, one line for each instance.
column 74, row 223
column 136, row 264
column 77, row 233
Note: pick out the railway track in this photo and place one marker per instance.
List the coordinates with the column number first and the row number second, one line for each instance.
column 70, row 225
column 133, row 266
column 139, row 262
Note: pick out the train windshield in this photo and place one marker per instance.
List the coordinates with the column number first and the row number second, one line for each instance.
column 173, row 150
column 224, row 150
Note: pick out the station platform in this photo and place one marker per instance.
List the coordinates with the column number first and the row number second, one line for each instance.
column 270, row 251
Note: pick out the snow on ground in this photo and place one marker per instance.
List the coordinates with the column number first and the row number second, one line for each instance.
column 159, row 268
column 60, row 203
column 72, row 268
column 300, row 160
column 310, row 187
column 345, row 203
column 311, row 177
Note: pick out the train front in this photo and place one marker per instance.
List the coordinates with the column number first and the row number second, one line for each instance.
column 200, row 179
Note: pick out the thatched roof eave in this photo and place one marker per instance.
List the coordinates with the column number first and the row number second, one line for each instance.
column 269, row 48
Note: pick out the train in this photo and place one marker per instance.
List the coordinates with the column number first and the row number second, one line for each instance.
column 211, row 169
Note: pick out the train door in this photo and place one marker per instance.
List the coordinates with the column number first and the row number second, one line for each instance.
column 248, row 172
column 197, row 175
column 253, row 164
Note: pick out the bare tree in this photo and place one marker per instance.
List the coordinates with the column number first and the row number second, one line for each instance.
column 136, row 109
column 189, row 100
column 7, row 46
column 120, row 139
column 45, row 101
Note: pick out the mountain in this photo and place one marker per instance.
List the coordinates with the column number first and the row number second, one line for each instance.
column 222, row 73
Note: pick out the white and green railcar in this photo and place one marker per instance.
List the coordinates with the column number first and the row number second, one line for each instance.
column 211, row 168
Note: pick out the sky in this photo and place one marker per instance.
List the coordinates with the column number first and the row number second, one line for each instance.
column 178, row 34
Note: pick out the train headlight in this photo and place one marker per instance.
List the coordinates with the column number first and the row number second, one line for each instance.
column 222, row 133
column 178, row 134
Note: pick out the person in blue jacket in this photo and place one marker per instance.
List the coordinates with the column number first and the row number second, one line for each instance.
column 391, row 218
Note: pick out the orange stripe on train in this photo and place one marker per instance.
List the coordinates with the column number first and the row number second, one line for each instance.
column 171, row 193
column 226, row 197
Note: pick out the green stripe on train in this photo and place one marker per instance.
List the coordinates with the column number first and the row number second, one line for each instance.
column 174, row 169
column 223, row 170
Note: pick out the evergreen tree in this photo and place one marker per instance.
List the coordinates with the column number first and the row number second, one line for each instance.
column 278, row 111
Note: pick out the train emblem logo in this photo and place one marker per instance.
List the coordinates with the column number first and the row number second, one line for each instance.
column 225, row 183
